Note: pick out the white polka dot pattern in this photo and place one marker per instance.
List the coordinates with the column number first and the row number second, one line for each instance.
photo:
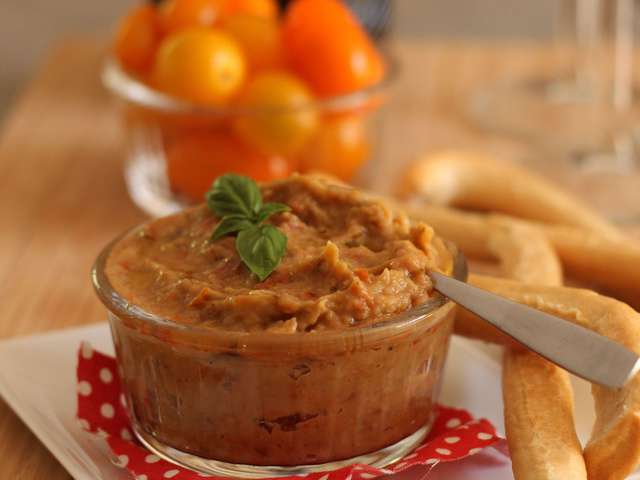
column 86, row 351
column 453, row 423
column 84, row 388
column 107, row 410
column 106, row 376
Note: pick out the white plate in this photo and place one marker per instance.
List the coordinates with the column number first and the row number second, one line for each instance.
column 37, row 379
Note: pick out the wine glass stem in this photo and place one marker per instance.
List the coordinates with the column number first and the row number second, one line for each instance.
column 601, row 35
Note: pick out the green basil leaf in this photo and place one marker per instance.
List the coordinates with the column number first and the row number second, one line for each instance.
column 231, row 224
column 232, row 195
column 269, row 209
column 261, row 248
column 238, row 202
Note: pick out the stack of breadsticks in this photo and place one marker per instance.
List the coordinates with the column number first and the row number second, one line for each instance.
column 535, row 232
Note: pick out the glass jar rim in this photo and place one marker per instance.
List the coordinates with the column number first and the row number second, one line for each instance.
column 121, row 308
column 126, row 87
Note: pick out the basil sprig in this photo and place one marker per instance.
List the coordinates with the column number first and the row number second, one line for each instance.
column 238, row 202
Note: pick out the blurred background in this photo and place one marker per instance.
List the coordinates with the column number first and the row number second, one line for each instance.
column 29, row 27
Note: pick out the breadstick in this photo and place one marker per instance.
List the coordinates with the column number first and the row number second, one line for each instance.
column 524, row 254
column 538, row 416
column 523, row 251
column 612, row 264
column 538, row 397
column 469, row 231
column 613, row 450
column 463, row 180
column 470, row 180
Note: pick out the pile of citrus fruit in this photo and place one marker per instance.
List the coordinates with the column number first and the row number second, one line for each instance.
column 273, row 70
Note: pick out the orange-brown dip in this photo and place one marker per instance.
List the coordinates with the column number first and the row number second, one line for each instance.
column 351, row 260
column 234, row 391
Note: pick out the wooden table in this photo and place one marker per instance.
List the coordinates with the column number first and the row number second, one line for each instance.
column 62, row 195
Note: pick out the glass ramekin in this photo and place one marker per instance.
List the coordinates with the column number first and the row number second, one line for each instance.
column 257, row 405
column 175, row 148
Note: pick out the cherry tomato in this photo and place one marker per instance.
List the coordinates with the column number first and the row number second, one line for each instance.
column 281, row 116
column 259, row 39
column 258, row 8
column 200, row 65
column 196, row 159
column 180, row 14
column 329, row 49
column 339, row 147
column 137, row 39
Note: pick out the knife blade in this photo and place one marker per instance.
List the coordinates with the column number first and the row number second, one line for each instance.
column 579, row 350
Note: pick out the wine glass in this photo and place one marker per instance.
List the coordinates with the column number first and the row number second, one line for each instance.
column 583, row 119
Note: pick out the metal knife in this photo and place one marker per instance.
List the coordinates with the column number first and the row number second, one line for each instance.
column 579, row 350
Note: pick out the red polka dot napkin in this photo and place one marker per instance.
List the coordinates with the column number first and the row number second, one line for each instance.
column 101, row 410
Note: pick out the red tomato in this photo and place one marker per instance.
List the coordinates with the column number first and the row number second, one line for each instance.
column 339, row 147
column 179, row 14
column 327, row 47
column 137, row 39
column 196, row 159
column 201, row 65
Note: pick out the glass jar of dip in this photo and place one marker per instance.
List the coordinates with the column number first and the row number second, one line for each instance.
column 260, row 404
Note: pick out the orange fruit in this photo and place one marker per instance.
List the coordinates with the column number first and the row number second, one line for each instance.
column 329, row 49
column 259, row 39
column 280, row 114
column 177, row 15
column 339, row 147
column 137, row 38
column 195, row 160
column 199, row 65
column 258, row 8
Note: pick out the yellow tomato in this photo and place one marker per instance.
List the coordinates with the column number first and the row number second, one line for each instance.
column 259, row 39
column 257, row 8
column 339, row 147
column 180, row 14
column 280, row 114
column 137, row 39
column 195, row 160
column 199, row 65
